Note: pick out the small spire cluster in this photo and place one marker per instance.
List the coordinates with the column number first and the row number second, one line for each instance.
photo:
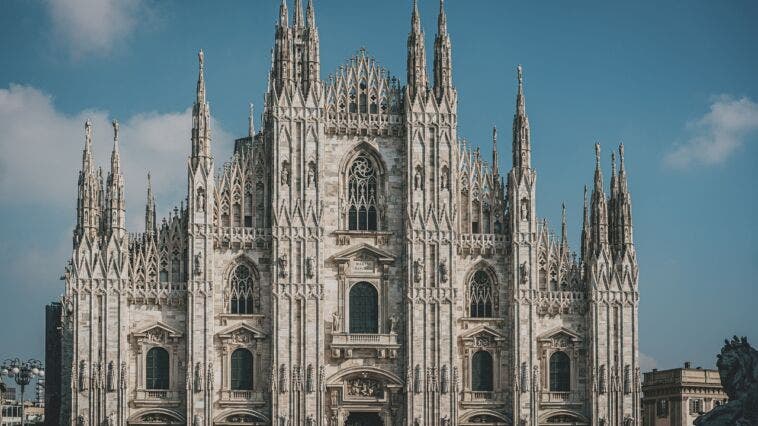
column 295, row 61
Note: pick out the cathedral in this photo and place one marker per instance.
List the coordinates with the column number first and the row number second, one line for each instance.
column 355, row 262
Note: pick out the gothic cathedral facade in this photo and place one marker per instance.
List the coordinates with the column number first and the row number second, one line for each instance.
column 353, row 263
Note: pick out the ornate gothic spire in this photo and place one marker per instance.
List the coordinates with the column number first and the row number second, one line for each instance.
column 624, row 208
column 443, row 67
column 521, row 134
column 312, row 66
column 298, row 14
column 495, row 156
column 599, row 209
column 201, row 118
column 89, row 197
column 114, row 195
column 417, row 79
column 586, row 233
column 283, row 18
column 564, row 232
column 150, row 223
column 251, row 122
column 310, row 15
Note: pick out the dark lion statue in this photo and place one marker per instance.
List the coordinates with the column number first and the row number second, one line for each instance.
column 738, row 368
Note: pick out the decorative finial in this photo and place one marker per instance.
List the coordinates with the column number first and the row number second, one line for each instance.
column 251, row 121
column 621, row 155
column 520, row 74
column 613, row 163
column 494, row 135
column 597, row 154
column 115, row 129
column 200, row 57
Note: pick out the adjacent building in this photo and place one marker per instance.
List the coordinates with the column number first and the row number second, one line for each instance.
column 355, row 262
column 678, row 396
column 49, row 388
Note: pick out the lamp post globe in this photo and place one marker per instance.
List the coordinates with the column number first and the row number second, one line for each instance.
column 22, row 372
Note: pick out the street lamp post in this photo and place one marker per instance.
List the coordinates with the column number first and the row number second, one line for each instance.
column 22, row 372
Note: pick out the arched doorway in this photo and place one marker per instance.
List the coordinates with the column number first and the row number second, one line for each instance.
column 363, row 419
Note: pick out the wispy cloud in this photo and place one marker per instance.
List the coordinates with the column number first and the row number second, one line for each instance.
column 46, row 147
column 647, row 362
column 95, row 26
column 716, row 135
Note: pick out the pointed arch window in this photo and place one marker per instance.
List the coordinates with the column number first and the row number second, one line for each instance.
column 481, row 372
column 364, row 308
column 157, row 369
column 362, row 184
column 560, row 372
column 241, row 291
column 242, row 370
column 480, row 295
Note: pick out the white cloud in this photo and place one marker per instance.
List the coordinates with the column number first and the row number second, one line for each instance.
column 95, row 26
column 717, row 134
column 647, row 362
column 42, row 151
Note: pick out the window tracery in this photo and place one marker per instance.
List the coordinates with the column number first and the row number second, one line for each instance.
column 480, row 295
column 362, row 188
column 241, row 300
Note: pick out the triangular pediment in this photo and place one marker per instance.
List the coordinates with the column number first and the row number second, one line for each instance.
column 560, row 333
column 158, row 332
column 482, row 331
column 241, row 332
column 362, row 251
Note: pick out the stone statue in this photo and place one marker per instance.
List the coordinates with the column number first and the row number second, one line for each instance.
column 111, row 419
column 738, row 368
column 443, row 271
column 283, row 266
column 309, row 267
column 336, row 321
column 418, row 269
column 393, row 324
column 198, row 263
column 524, row 273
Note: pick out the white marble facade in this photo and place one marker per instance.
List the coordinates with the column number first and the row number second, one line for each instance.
column 358, row 261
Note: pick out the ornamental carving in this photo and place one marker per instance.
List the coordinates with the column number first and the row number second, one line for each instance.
column 241, row 337
column 483, row 340
column 365, row 388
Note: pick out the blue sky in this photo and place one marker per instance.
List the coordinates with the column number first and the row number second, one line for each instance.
column 675, row 81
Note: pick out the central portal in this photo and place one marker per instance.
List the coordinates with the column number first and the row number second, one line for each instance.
column 363, row 419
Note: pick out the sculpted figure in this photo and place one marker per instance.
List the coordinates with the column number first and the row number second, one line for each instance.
column 336, row 321
column 417, row 270
column 738, row 368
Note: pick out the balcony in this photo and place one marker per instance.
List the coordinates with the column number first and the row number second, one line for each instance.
column 383, row 345
column 560, row 398
column 233, row 398
column 157, row 398
column 478, row 398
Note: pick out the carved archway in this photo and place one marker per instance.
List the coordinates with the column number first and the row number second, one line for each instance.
column 365, row 393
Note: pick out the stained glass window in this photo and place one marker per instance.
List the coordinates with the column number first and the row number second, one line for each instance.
column 480, row 295
column 242, row 370
column 156, row 366
column 481, row 372
column 361, row 196
column 364, row 309
column 560, row 372
column 241, row 291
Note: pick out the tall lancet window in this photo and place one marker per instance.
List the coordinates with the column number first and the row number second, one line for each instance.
column 361, row 194
column 241, row 291
column 480, row 295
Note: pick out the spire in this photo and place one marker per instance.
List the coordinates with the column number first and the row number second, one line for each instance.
column 564, row 234
column 283, row 18
column 88, row 206
column 521, row 134
column 623, row 213
column 201, row 117
column 443, row 67
column 87, row 164
column 150, row 224
column 251, row 122
column 599, row 209
column 114, row 195
column 417, row 79
column 115, row 154
column 310, row 15
column 298, row 14
column 495, row 156
column 586, row 234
